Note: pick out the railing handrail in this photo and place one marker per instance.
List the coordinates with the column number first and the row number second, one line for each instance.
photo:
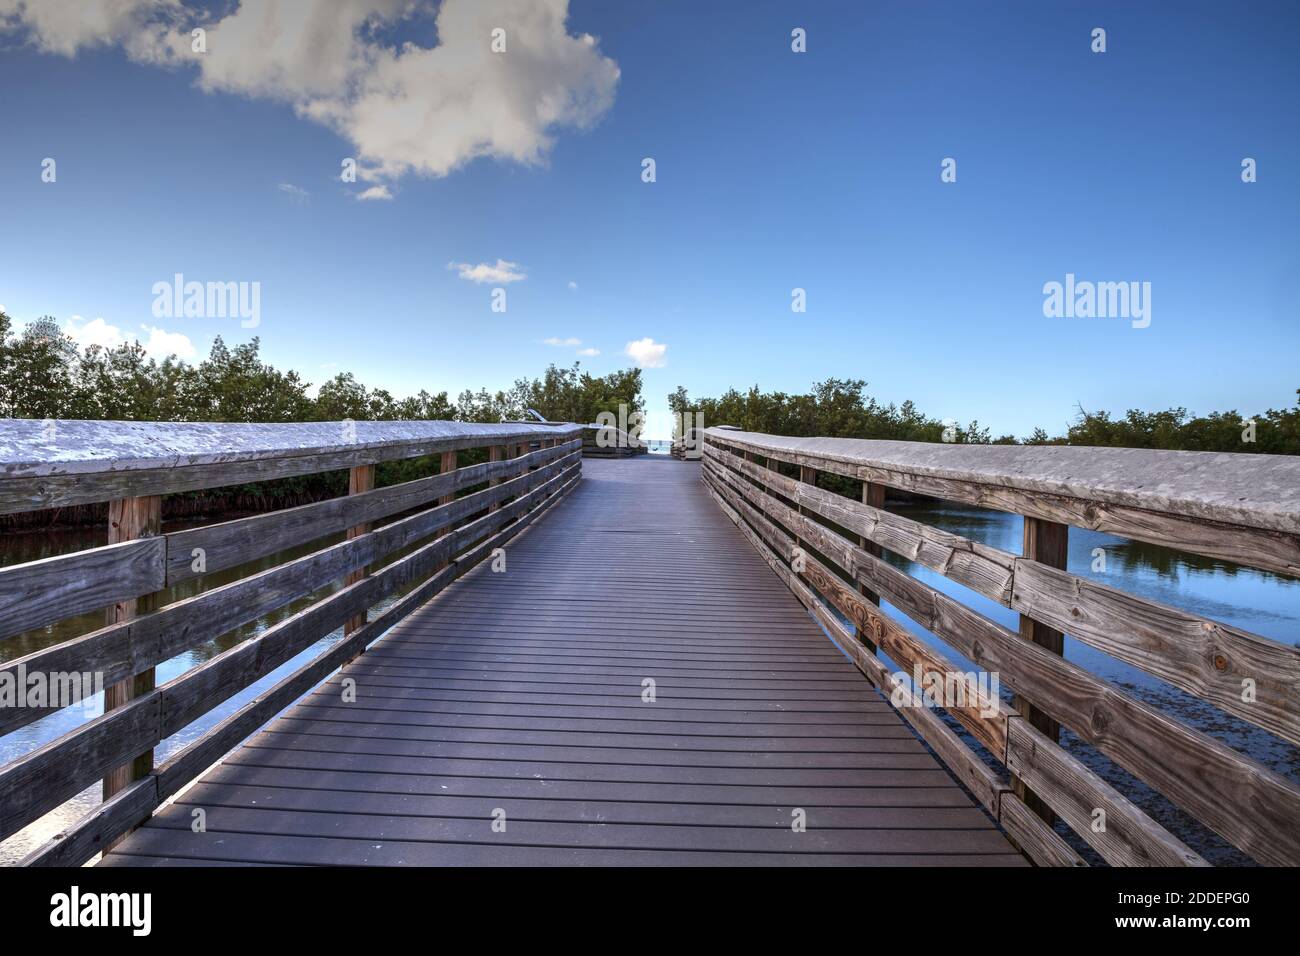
column 1240, row 507
column 1256, row 491
column 55, row 463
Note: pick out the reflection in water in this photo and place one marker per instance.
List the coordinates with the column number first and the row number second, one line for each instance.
column 1256, row 601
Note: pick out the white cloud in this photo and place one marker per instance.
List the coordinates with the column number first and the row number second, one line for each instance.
column 407, row 109
column 94, row 332
column 561, row 342
column 162, row 343
column 589, row 352
column 296, row 193
column 375, row 192
column 573, row 285
column 158, row 344
column 647, row 353
column 502, row 272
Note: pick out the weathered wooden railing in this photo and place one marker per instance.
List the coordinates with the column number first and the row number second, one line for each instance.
column 1242, row 508
column 55, row 464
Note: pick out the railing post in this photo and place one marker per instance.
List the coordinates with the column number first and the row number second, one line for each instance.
column 497, row 453
column 446, row 465
column 129, row 519
column 361, row 478
column 873, row 495
column 1046, row 542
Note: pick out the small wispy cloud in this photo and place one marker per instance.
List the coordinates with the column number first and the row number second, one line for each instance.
column 588, row 352
column 380, row 192
column 647, row 353
column 296, row 193
column 502, row 272
column 563, row 343
column 573, row 285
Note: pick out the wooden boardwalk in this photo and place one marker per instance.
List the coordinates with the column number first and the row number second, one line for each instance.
column 521, row 694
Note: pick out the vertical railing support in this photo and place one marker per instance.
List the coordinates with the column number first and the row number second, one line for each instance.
column 873, row 495
column 1046, row 542
column 361, row 478
column 129, row 519
column 497, row 453
column 446, row 465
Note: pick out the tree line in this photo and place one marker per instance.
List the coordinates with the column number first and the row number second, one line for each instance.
column 840, row 408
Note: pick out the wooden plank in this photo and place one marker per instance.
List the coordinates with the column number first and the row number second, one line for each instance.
column 446, row 466
column 1046, row 543
column 1038, row 841
column 1238, row 507
column 1211, row 660
column 232, row 543
column 1113, row 826
column 98, row 829
column 979, row 567
column 41, row 592
column 99, row 461
column 37, row 782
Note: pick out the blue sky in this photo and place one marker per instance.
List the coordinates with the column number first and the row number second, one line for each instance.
column 775, row 170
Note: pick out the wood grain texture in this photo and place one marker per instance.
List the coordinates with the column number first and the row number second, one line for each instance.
column 92, row 461
column 130, row 519
column 42, row 592
column 1242, row 508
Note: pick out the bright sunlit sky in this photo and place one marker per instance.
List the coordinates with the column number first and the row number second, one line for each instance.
column 775, row 170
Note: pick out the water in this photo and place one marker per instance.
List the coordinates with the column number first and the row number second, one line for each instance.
column 1257, row 601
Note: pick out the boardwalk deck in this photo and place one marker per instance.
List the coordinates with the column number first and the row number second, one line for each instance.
column 522, row 692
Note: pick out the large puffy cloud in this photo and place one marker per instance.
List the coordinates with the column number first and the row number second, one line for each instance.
column 408, row 108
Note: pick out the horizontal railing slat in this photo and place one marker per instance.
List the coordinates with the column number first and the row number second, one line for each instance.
column 41, row 592
column 232, row 543
column 1259, row 532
